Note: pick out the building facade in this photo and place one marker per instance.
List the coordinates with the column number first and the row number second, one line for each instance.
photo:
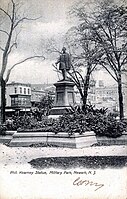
column 102, row 96
column 107, row 96
column 18, row 97
column 36, row 96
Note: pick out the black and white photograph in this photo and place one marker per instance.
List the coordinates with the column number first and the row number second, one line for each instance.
column 63, row 99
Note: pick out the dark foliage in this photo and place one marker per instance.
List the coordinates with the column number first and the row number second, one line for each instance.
column 78, row 119
column 3, row 129
column 46, row 104
column 29, row 123
column 89, row 119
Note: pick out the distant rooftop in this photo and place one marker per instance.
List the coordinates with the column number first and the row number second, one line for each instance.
column 18, row 83
column 40, row 86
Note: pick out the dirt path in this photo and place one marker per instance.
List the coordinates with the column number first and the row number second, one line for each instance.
column 22, row 155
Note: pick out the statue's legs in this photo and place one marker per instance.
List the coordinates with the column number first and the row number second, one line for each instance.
column 64, row 74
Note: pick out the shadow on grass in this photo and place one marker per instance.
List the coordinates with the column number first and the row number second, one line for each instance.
column 93, row 162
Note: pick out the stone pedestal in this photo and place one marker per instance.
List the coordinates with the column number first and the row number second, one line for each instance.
column 64, row 97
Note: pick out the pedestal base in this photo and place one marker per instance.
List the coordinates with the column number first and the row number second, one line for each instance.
column 62, row 139
column 59, row 110
column 64, row 97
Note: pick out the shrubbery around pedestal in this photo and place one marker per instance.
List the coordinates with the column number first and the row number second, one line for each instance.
column 78, row 119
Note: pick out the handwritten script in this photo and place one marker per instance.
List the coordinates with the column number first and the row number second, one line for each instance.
column 79, row 182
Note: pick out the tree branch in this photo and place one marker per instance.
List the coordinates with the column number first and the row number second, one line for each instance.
column 5, row 13
column 109, row 72
column 14, row 44
column 100, row 40
column 4, row 32
column 93, row 68
column 74, row 79
column 124, row 61
column 1, row 48
column 8, row 75
column 111, row 62
column 12, row 2
column 22, row 19
column 75, row 74
column 79, row 75
column 55, row 50
column 29, row 58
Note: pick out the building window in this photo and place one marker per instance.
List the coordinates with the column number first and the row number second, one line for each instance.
column 19, row 101
column 15, row 90
column 20, row 89
column 24, row 90
column 28, row 91
column 24, row 101
column 12, row 101
column 16, row 101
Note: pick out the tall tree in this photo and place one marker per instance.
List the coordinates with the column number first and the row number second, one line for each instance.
column 14, row 19
column 85, row 57
column 107, row 27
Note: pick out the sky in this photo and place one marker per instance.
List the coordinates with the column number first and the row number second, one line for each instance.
column 53, row 21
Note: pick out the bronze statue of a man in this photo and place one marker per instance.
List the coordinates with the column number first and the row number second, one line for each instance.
column 64, row 63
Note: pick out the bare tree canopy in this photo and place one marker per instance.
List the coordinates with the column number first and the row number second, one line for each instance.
column 107, row 27
column 14, row 19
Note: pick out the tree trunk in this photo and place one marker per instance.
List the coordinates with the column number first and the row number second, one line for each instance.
column 86, row 86
column 3, row 101
column 120, row 95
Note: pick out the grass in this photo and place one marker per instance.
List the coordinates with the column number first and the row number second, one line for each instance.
column 94, row 162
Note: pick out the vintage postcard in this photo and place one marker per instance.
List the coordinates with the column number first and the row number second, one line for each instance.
column 63, row 99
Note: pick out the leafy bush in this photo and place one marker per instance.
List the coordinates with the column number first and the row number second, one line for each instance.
column 46, row 104
column 90, row 119
column 28, row 123
column 3, row 129
column 78, row 119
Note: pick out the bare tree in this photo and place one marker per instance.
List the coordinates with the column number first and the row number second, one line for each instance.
column 14, row 20
column 107, row 26
column 85, row 56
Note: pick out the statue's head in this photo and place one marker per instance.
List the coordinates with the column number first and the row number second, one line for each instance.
column 63, row 49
